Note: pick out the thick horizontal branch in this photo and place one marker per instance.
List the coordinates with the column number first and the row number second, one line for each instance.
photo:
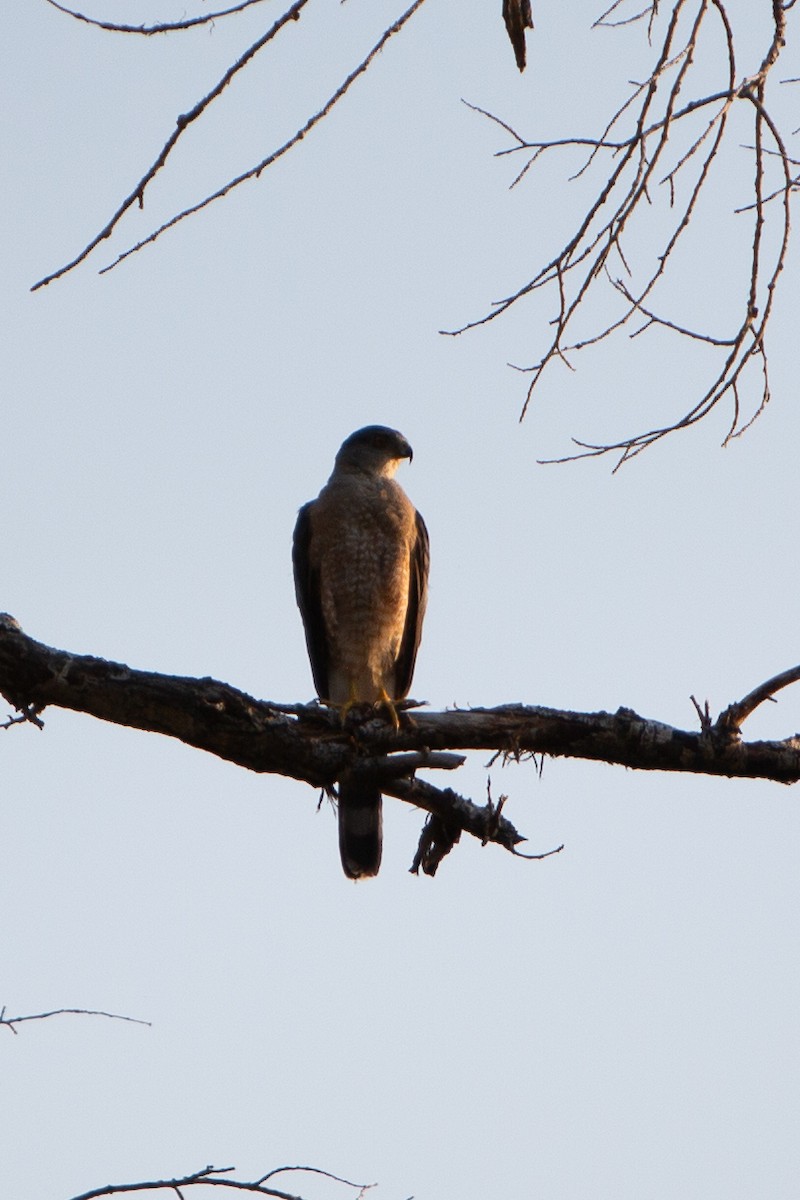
column 309, row 743
column 304, row 742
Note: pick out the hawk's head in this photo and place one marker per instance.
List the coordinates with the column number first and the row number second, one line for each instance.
column 375, row 450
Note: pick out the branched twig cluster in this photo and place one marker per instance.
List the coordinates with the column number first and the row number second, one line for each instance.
column 665, row 139
column 652, row 142
column 610, row 20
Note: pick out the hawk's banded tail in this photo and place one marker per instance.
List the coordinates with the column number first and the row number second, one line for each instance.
column 360, row 829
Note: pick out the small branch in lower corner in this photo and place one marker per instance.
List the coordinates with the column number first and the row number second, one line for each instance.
column 11, row 1022
column 27, row 716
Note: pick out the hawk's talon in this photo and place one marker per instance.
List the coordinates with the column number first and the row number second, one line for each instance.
column 385, row 701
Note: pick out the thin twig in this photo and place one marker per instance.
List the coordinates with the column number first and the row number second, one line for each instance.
column 148, row 30
column 737, row 713
column 10, row 1022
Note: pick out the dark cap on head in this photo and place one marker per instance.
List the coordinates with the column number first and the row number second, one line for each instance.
column 374, row 441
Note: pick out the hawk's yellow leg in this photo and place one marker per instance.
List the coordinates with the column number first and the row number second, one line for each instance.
column 384, row 701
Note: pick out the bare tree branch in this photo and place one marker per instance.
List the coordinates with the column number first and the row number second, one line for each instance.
column 11, row 1022
column 650, row 11
column 664, row 140
column 26, row 714
column 363, row 1187
column 137, row 195
column 309, row 742
column 737, row 713
column 148, row 30
column 211, row 1176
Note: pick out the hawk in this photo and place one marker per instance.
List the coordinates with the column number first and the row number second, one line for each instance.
column 360, row 557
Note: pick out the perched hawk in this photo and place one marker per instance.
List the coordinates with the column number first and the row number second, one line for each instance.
column 361, row 576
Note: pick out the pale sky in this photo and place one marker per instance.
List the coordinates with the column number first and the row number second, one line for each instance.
column 618, row 1022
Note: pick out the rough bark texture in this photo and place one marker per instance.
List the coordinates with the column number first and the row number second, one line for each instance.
column 308, row 742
